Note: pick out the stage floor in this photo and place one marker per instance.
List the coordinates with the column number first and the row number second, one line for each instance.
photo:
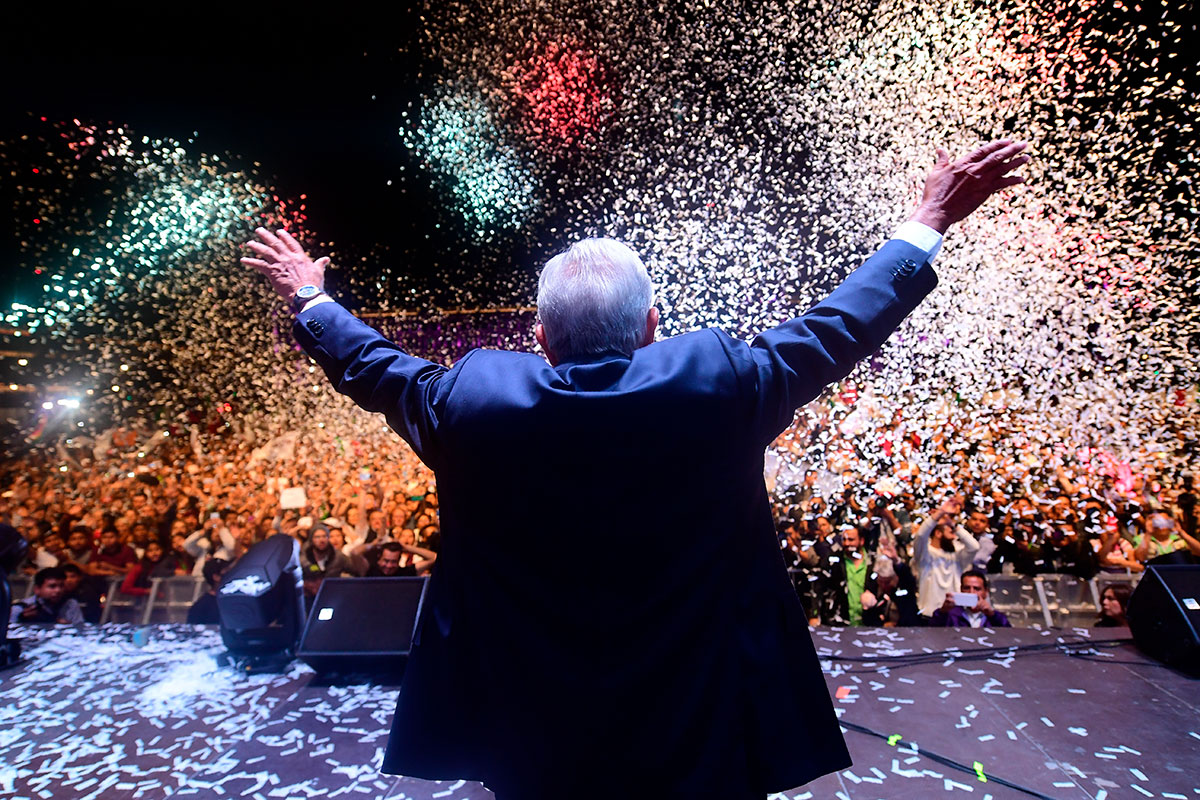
column 91, row 715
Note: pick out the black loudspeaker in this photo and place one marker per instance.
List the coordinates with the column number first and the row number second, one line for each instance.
column 362, row 625
column 1164, row 616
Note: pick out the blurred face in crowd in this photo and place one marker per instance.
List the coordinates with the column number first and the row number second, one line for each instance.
column 51, row 590
column 1161, row 526
column 399, row 516
column 320, row 539
column 77, row 541
column 1110, row 604
column 406, row 536
column 177, row 542
column 794, row 534
column 140, row 535
column 974, row 585
column 824, row 527
column 389, row 562
column 337, row 539
column 54, row 544
column 851, row 540
column 108, row 540
column 375, row 520
column 243, row 534
column 944, row 535
column 72, row 582
column 977, row 523
column 154, row 551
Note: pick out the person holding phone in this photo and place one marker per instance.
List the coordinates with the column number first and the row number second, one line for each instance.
column 969, row 607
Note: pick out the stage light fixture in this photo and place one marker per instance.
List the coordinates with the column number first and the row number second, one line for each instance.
column 261, row 603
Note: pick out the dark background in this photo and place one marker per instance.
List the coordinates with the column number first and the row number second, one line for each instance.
column 315, row 101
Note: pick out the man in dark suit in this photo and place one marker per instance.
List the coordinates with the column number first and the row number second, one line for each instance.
column 536, row 671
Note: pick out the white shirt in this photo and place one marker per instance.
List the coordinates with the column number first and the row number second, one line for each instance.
column 938, row 571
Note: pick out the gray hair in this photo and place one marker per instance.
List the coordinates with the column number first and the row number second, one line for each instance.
column 594, row 297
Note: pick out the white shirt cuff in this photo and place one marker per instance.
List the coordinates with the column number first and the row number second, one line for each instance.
column 921, row 236
column 316, row 301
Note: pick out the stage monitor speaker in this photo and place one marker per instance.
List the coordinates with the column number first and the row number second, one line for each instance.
column 1164, row 616
column 362, row 625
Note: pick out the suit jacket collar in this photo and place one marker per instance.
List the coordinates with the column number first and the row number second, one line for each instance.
column 592, row 358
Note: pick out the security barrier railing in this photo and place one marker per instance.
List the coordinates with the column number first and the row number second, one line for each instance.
column 1051, row 600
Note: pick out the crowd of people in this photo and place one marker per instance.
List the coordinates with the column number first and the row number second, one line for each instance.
column 150, row 504
column 862, row 548
column 886, row 561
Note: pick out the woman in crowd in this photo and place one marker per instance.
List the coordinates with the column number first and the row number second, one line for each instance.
column 1113, row 602
column 154, row 564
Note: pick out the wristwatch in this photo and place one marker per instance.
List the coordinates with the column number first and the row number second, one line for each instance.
column 303, row 295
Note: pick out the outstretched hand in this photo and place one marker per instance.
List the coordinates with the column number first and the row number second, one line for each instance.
column 285, row 263
column 954, row 189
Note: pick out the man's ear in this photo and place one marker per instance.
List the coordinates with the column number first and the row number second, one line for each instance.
column 539, row 333
column 651, row 326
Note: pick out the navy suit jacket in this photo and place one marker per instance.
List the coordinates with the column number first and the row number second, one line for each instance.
column 544, row 662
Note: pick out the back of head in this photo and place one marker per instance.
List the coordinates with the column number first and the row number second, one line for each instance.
column 594, row 298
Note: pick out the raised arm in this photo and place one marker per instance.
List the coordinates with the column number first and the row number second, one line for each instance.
column 1193, row 545
column 359, row 361
column 797, row 359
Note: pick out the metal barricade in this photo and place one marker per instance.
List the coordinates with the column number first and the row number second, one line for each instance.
column 1017, row 597
column 170, row 598
column 119, row 607
column 1050, row 600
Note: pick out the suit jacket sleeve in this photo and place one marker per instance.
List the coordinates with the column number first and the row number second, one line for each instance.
column 797, row 359
column 376, row 374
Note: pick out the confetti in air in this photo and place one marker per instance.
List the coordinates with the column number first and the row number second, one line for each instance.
column 753, row 158
column 460, row 140
column 754, row 162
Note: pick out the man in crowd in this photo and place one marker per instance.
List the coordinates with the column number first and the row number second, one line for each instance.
column 373, row 530
column 979, row 525
column 113, row 557
column 942, row 552
column 845, row 580
column 77, row 587
column 952, row 615
column 79, row 546
column 388, row 565
column 319, row 556
column 507, row 683
column 803, row 564
column 49, row 603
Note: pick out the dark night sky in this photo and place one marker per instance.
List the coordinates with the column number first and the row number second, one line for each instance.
column 292, row 93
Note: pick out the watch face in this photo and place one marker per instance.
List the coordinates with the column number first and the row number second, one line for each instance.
column 307, row 292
